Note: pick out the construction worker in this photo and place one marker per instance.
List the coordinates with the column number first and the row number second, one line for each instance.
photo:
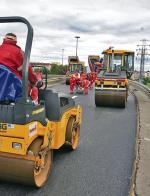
column 91, row 80
column 94, row 76
column 84, row 83
column 77, row 75
column 72, row 83
column 11, row 56
column 67, row 73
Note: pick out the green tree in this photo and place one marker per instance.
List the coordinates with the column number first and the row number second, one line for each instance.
column 146, row 80
column 58, row 69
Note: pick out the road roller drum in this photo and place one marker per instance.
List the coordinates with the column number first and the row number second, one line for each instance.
column 25, row 169
column 110, row 98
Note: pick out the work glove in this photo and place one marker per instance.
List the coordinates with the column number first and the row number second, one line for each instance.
column 39, row 83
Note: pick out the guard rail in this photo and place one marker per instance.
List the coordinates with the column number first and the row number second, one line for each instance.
column 140, row 86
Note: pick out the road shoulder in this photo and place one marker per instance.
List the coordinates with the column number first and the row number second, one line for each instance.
column 141, row 176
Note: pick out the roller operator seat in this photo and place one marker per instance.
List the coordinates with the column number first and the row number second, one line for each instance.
column 10, row 85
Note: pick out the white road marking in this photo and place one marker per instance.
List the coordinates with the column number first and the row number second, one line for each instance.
column 74, row 97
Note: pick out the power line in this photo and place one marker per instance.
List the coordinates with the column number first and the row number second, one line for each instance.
column 143, row 52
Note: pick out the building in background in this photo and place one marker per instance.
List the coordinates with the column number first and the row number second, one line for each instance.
column 47, row 65
column 147, row 74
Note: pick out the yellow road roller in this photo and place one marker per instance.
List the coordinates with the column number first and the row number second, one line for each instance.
column 29, row 132
column 74, row 65
column 111, row 85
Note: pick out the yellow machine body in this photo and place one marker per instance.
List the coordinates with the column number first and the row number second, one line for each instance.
column 111, row 85
column 26, row 150
column 26, row 134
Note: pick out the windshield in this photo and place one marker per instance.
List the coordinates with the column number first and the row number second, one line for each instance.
column 105, row 61
column 117, row 62
column 75, row 67
column 129, row 60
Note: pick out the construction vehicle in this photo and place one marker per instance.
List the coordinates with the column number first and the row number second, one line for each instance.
column 95, row 63
column 111, row 85
column 74, row 65
column 29, row 132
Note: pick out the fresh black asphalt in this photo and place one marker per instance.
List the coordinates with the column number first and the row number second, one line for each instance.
column 102, row 164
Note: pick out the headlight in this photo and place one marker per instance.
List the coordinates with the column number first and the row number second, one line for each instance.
column 16, row 145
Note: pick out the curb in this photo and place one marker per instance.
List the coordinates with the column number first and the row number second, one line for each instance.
column 139, row 180
column 136, row 149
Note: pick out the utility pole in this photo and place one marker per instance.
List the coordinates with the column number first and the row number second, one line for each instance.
column 142, row 51
column 62, row 56
column 77, row 37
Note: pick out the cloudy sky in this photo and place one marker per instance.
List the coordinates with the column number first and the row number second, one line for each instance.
column 100, row 24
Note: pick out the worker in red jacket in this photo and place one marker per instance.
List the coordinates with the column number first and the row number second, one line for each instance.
column 11, row 56
column 72, row 83
column 84, row 83
column 91, row 80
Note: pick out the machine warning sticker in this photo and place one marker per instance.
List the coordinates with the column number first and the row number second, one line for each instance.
column 10, row 126
column 32, row 129
column 37, row 111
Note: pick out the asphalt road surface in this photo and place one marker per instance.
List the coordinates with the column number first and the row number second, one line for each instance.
column 102, row 164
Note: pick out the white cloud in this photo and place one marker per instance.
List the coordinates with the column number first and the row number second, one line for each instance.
column 121, row 23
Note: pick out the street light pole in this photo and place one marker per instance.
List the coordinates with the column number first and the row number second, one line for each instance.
column 62, row 56
column 77, row 37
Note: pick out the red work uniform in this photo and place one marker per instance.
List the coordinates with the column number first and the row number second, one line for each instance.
column 72, row 83
column 94, row 76
column 99, row 67
column 85, row 83
column 91, row 80
column 67, row 73
column 11, row 56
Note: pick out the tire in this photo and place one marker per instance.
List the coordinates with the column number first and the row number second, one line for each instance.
column 72, row 134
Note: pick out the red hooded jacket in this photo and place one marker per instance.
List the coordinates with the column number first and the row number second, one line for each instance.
column 11, row 56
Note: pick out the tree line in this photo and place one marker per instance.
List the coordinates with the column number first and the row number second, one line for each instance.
column 55, row 69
